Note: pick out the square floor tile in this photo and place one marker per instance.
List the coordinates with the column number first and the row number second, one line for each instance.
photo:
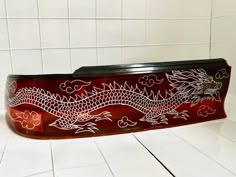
column 76, row 153
column 27, row 156
column 89, row 171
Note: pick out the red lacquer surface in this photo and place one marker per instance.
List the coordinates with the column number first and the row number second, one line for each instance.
column 67, row 107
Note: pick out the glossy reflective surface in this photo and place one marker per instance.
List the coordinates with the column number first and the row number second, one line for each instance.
column 66, row 106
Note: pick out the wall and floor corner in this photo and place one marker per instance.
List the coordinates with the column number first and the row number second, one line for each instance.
column 58, row 36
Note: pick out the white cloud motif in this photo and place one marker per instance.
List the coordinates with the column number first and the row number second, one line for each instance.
column 73, row 86
column 205, row 110
column 221, row 74
column 125, row 122
column 149, row 80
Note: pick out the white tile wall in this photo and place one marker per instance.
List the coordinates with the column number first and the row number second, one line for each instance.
column 82, row 33
column 224, row 8
column 83, row 57
column 4, row 44
column 178, row 31
column 53, row 9
column 22, row 9
column 223, row 39
column 109, row 8
column 108, row 32
column 35, row 33
column 24, row 33
column 82, row 8
column 2, row 9
column 56, row 61
column 6, row 67
column 181, row 9
column 134, row 9
column 54, row 33
column 26, row 61
column 133, row 32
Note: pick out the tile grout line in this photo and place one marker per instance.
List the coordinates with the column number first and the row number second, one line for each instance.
column 8, row 35
column 210, row 40
column 121, row 40
column 53, row 167
column 104, row 158
column 96, row 26
column 163, row 165
column 4, row 150
column 194, row 147
column 68, row 21
column 116, row 46
column 40, row 38
column 43, row 172
column 107, row 18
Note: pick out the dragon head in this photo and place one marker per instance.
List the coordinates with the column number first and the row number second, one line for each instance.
column 195, row 85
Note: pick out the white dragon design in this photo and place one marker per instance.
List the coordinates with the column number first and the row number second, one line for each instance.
column 188, row 86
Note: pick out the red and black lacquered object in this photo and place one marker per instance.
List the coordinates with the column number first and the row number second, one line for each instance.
column 104, row 100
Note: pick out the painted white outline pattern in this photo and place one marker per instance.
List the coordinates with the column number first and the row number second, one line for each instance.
column 73, row 86
column 125, row 122
column 75, row 112
column 27, row 119
column 221, row 74
column 149, row 80
column 205, row 110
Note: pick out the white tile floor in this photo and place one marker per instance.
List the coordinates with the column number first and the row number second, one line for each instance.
column 199, row 150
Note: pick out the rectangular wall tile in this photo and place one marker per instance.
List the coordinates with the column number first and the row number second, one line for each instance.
column 109, row 8
column 223, row 29
column 221, row 8
column 82, row 33
column 24, row 33
column 81, row 8
column 4, row 44
column 177, row 52
column 53, row 9
column 109, row 56
column 2, row 97
column 134, row 9
column 22, row 9
column 133, row 55
column 133, row 32
column 83, row 57
column 2, row 9
column 177, row 31
column 182, row 9
column 54, row 33
column 108, row 32
column 27, row 62
column 227, row 51
column 56, row 61
column 5, row 67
